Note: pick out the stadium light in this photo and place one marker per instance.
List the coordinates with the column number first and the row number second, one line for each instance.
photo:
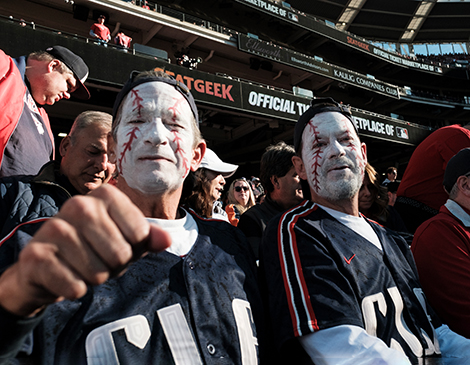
column 349, row 13
column 418, row 19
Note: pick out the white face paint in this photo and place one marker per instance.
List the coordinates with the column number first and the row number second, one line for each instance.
column 333, row 156
column 154, row 146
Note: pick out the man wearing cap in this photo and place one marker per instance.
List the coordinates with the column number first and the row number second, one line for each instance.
column 27, row 83
column 208, row 185
column 190, row 295
column 282, row 185
column 100, row 32
column 441, row 248
column 340, row 288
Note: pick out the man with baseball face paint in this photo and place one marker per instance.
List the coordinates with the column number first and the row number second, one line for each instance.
column 341, row 289
column 190, row 295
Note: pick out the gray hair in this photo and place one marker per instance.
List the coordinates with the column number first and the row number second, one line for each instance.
column 88, row 118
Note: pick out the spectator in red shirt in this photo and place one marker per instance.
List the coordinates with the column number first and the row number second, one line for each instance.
column 100, row 32
column 420, row 193
column 123, row 41
column 441, row 248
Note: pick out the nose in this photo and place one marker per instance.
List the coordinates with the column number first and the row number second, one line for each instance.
column 155, row 132
column 101, row 162
column 336, row 149
column 222, row 180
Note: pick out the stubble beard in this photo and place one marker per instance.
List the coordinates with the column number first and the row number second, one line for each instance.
column 341, row 189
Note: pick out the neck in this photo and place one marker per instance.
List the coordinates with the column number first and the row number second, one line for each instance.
column 463, row 201
column 163, row 206
column 348, row 206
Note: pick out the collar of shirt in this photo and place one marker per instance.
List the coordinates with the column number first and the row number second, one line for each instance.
column 459, row 212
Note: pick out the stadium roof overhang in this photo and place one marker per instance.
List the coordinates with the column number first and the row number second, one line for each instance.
column 399, row 21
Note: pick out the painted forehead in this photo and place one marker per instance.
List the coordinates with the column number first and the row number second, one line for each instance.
column 325, row 123
column 333, row 120
column 152, row 97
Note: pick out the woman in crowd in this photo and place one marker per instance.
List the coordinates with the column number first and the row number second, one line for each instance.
column 203, row 188
column 373, row 202
column 240, row 199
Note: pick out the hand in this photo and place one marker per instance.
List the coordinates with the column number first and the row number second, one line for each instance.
column 92, row 238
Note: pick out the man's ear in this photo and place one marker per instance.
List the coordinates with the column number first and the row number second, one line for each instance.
column 64, row 145
column 463, row 183
column 53, row 65
column 198, row 154
column 364, row 152
column 274, row 181
column 299, row 167
column 111, row 149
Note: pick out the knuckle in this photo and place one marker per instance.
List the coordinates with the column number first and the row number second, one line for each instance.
column 120, row 256
column 107, row 193
column 98, row 278
column 36, row 254
column 74, row 205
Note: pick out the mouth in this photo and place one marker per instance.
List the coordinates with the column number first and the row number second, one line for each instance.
column 95, row 178
column 154, row 158
column 339, row 168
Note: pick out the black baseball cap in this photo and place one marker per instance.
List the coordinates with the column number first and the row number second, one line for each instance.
column 459, row 165
column 132, row 83
column 317, row 106
column 76, row 65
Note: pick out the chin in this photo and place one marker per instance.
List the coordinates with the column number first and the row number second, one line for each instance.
column 92, row 186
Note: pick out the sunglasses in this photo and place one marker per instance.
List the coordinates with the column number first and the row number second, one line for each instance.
column 239, row 188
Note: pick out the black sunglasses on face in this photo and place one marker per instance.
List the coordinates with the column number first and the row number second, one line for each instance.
column 239, row 188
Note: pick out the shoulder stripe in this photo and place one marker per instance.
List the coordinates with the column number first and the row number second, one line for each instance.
column 7, row 237
column 298, row 298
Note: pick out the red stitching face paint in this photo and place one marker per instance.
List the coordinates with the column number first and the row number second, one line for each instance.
column 137, row 102
column 127, row 146
column 175, row 108
column 177, row 140
column 154, row 138
column 316, row 156
column 332, row 156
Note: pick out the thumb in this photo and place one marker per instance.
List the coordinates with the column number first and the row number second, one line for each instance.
column 158, row 239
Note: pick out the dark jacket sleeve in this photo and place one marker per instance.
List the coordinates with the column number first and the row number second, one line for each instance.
column 14, row 332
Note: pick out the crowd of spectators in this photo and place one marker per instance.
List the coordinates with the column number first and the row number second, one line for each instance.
column 293, row 278
column 444, row 96
column 83, row 240
column 446, row 59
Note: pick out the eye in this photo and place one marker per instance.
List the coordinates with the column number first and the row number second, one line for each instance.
column 71, row 84
column 94, row 152
column 318, row 144
column 173, row 124
column 136, row 121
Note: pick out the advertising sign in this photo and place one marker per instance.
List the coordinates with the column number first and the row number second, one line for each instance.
column 310, row 64
column 320, row 27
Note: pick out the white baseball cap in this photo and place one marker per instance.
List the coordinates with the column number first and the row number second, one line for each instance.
column 212, row 162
